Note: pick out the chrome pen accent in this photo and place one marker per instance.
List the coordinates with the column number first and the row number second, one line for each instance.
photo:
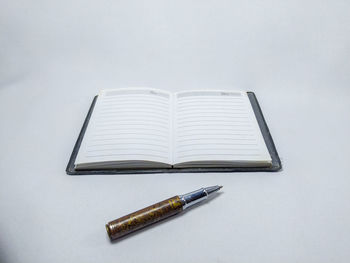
column 197, row 196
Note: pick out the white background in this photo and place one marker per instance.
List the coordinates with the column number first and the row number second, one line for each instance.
column 56, row 55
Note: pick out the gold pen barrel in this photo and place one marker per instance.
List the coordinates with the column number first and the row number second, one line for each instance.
column 144, row 217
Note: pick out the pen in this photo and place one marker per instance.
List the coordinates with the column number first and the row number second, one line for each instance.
column 156, row 212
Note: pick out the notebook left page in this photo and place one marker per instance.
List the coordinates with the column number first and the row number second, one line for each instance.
column 129, row 128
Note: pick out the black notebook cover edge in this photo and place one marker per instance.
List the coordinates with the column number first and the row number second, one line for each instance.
column 275, row 166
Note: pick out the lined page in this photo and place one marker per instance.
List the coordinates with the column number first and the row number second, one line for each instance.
column 217, row 126
column 129, row 124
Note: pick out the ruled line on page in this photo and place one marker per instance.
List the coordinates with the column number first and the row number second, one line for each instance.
column 207, row 139
column 132, row 155
column 127, row 103
column 119, row 124
column 128, row 143
column 212, row 107
column 213, row 137
column 227, row 104
column 231, row 144
column 143, row 120
column 211, row 99
column 106, row 129
column 227, row 128
column 207, row 130
column 192, row 114
column 230, row 151
column 135, row 111
column 229, row 131
column 127, row 132
column 146, row 135
column 139, row 104
column 124, row 116
column 135, row 97
column 138, row 128
column 205, row 126
column 126, row 148
column 223, row 118
column 215, row 112
column 218, row 154
column 106, row 118
column 214, row 123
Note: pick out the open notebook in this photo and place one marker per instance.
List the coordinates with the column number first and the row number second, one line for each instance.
column 143, row 128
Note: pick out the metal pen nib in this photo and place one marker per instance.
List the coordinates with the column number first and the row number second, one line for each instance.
column 197, row 196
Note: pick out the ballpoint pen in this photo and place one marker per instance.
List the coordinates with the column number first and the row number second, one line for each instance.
column 156, row 212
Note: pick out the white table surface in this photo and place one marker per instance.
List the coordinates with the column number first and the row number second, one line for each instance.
column 56, row 55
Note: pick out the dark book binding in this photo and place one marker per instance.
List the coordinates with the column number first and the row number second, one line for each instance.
column 275, row 166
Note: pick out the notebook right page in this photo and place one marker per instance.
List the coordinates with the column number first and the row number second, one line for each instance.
column 218, row 128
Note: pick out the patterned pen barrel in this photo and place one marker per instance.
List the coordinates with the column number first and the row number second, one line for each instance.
column 154, row 213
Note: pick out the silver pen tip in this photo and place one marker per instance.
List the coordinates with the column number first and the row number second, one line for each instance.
column 212, row 189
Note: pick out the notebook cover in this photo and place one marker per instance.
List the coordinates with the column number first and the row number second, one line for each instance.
column 276, row 162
